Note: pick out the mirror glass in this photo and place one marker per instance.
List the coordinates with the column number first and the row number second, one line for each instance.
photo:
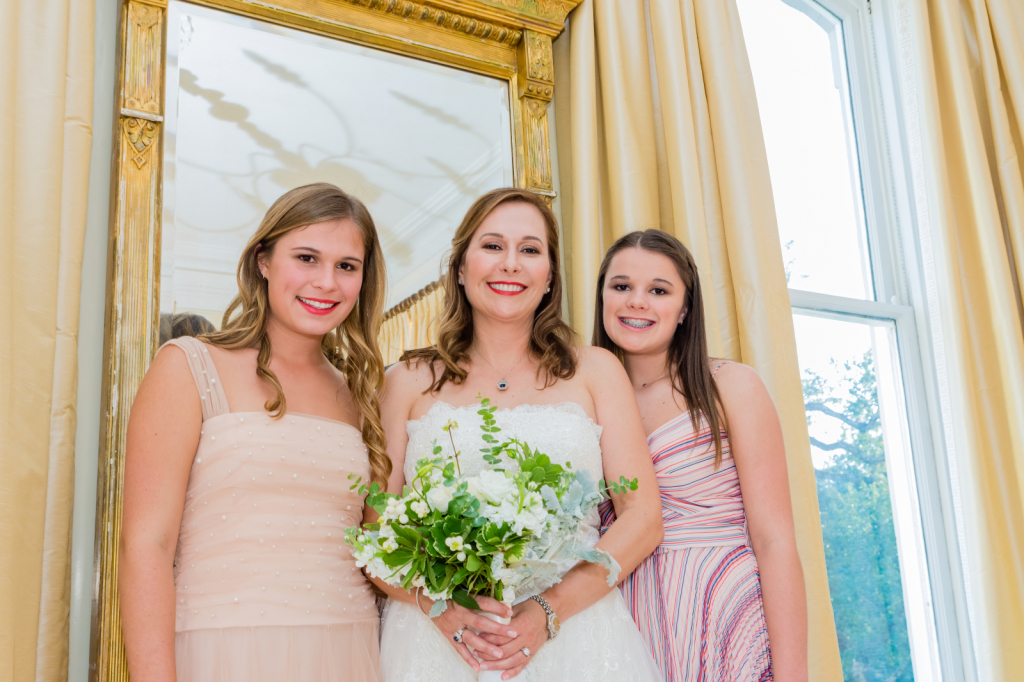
column 254, row 109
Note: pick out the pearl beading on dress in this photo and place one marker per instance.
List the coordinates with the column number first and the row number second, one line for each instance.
column 267, row 503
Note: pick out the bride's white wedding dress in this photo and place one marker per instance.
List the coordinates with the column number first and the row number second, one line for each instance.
column 600, row 643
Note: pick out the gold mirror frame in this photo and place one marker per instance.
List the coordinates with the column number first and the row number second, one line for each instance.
column 507, row 39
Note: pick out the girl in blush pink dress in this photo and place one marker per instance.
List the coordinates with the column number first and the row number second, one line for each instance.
column 722, row 598
column 233, row 565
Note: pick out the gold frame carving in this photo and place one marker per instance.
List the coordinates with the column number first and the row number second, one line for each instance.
column 508, row 39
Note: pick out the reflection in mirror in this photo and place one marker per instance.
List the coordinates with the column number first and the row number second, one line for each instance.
column 254, row 110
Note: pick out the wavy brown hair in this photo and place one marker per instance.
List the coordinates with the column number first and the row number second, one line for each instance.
column 688, row 353
column 552, row 341
column 352, row 347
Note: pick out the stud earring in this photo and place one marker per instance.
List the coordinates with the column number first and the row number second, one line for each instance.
column 548, row 290
column 460, row 282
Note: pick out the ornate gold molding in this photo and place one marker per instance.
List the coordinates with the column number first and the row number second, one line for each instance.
column 132, row 301
column 132, row 317
column 414, row 11
column 539, row 61
column 143, row 86
column 547, row 16
column 536, row 76
column 141, row 134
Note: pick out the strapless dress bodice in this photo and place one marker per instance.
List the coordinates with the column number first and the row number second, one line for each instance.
column 262, row 534
column 562, row 431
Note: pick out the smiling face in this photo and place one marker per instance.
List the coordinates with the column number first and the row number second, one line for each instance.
column 314, row 276
column 644, row 301
column 507, row 265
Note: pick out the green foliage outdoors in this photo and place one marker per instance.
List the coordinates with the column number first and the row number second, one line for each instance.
column 857, row 525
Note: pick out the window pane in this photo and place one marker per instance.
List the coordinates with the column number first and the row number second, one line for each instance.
column 802, row 89
column 861, row 453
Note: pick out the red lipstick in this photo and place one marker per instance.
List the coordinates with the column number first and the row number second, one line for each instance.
column 316, row 311
column 507, row 293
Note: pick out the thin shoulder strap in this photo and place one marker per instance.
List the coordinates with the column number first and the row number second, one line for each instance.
column 204, row 373
column 720, row 366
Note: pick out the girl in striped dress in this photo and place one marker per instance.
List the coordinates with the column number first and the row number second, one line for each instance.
column 726, row 580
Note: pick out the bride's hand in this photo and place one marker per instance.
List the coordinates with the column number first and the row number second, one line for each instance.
column 531, row 622
column 457, row 618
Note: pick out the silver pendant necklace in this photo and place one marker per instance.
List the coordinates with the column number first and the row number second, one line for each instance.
column 503, row 383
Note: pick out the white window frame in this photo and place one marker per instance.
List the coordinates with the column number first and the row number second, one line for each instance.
column 944, row 647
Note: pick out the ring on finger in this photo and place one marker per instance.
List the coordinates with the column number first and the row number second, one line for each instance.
column 526, row 651
column 458, row 635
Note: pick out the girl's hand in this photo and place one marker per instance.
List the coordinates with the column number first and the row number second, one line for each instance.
column 457, row 618
column 531, row 622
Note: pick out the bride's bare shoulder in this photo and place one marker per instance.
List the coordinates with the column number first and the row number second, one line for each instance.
column 408, row 379
column 593, row 361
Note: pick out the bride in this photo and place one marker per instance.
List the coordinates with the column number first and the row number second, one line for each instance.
column 501, row 335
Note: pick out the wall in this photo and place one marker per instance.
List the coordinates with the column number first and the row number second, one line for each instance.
column 90, row 342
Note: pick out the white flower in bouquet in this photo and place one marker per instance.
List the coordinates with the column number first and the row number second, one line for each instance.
column 493, row 487
column 519, row 514
column 439, row 497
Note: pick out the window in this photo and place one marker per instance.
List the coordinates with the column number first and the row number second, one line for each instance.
column 816, row 83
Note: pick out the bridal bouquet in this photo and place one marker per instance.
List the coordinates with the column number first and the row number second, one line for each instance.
column 501, row 532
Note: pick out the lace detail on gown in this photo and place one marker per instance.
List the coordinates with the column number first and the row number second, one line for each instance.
column 601, row 643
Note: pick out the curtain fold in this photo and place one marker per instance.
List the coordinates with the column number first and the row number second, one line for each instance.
column 46, row 91
column 411, row 323
column 969, row 62
column 663, row 131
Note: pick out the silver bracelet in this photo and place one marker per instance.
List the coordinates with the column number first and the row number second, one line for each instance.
column 554, row 625
column 419, row 590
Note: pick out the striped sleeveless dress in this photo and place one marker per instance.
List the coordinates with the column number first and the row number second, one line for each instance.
column 697, row 598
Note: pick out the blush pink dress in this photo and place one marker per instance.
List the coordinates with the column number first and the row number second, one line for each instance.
column 265, row 586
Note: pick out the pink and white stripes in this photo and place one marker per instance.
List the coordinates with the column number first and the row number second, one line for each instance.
column 697, row 598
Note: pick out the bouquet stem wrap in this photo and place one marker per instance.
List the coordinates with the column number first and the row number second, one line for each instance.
column 495, row 675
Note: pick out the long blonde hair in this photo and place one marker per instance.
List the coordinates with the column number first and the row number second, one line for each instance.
column 552, row 340
column 352, row 347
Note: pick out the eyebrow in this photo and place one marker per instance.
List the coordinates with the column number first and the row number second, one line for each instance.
column 501, row 236
column 626, row 277
column 317, row 252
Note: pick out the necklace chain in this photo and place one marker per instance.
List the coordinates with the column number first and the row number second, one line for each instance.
column 653, row 380
column 502, row 384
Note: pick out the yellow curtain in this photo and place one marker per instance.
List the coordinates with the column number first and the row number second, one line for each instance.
column 411, row 323
column 658, row 127
column 969, row 61
column 46, row 89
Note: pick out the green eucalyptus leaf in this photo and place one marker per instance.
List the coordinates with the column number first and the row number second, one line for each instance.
column 439, row 607
column 400, row 557
column 465, row 599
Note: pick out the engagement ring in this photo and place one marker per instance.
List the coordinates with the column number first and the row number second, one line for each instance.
column 525, row 651
column 458, row 635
